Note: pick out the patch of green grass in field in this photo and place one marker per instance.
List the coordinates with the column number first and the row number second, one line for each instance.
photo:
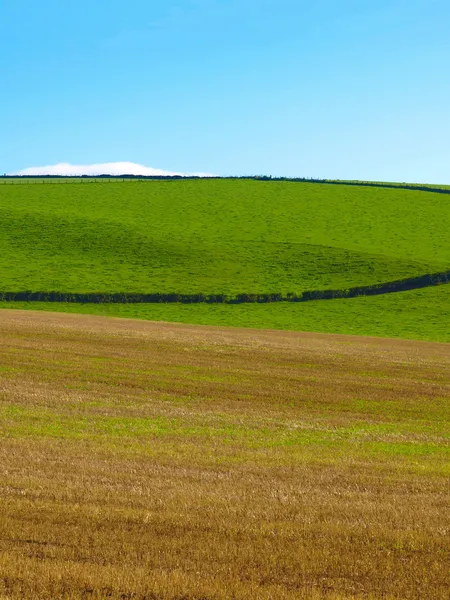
column 358, row 439
column 216, row 236
column 418, row 314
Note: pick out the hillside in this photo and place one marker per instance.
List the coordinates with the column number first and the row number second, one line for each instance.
column 216, row 236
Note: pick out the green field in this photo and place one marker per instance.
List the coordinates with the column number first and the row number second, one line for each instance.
column 216, row 236
column 232, row 236
column 417, row 315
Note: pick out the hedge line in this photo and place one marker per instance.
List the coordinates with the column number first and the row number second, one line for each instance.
column 124, row 298
column 100, row 178
column 410, row 283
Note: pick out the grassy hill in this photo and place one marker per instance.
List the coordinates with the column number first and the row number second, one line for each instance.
column 218, row 236
column 232, row 236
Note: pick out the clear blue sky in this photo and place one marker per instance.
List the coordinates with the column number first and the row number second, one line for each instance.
column 322, row 88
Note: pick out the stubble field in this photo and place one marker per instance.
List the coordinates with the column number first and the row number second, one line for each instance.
column 151, row 460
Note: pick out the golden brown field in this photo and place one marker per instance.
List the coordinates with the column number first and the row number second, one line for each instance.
column 158, row 461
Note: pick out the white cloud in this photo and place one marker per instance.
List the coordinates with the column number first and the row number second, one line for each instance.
column 116, row 168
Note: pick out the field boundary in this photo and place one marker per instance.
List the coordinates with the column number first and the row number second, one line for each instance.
column 60, row 179
column 401, row 285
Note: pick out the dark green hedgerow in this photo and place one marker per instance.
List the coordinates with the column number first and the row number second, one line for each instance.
column 410, row 283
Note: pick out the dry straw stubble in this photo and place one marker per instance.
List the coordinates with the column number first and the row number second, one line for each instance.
column 145, row 460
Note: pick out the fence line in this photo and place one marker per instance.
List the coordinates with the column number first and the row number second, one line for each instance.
column 4, row 181
column 74, row 180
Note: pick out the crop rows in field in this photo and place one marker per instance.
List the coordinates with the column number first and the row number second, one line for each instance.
column 145, row 460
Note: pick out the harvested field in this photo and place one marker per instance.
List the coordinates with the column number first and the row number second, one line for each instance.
column 146, row 460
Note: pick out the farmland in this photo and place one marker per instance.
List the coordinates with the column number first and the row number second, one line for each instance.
column 218, row 236
column 144, row 460
column 417, row 314
column 228, row 237
column 178, row 461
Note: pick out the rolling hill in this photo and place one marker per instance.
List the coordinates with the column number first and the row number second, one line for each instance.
column 224, row 236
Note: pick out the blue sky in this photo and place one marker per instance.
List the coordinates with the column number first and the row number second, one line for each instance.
column 343, row 89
